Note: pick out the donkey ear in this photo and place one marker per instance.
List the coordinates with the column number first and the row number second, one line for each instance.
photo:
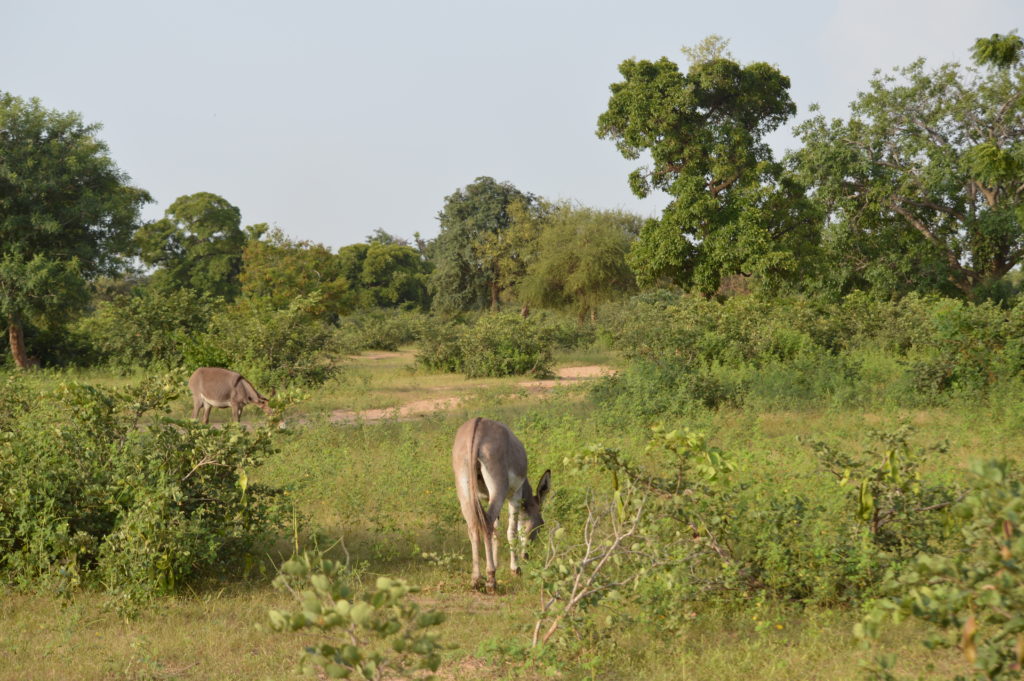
column 544, row 486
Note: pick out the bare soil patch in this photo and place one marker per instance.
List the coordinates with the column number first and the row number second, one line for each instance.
column 416, row 408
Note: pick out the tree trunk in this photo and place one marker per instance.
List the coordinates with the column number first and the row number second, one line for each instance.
column 494, row 296
column 16, row 337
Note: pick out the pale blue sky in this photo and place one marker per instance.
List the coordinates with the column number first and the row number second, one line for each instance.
column 330, row 119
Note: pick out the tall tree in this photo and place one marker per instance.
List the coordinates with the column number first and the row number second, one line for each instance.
column 581, row 259
column 384, row 274
column 924, row 183
column 198, row 244
column 280, row 270
column 734, row 209
column 67, row 214
column 461, row 278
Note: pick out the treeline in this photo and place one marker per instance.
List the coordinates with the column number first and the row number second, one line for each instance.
column 920, row 190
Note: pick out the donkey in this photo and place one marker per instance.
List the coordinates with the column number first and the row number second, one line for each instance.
column 490, row 467
column 216, row 387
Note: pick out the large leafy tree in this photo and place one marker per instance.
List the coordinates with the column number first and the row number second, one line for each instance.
column 67, row 214
column 924, row 183
column 280, row 270
column 581, row 259
column 734, row 210
column 384, row 273
column 466, row 272
column 198, row 244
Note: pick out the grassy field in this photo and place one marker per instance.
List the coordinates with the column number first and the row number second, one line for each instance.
column 385, row 489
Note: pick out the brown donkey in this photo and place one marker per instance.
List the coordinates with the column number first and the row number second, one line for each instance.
column 216, row 387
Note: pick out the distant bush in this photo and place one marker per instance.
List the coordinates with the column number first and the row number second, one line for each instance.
column 688, row 352
column 271, row 347
column 494, row 344
column 379, row 329
column 150, row 329
column 564, row 332
column 438, row 344
column 92, row 495
column 505, row 344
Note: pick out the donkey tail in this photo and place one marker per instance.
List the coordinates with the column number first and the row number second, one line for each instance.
column 479, row 517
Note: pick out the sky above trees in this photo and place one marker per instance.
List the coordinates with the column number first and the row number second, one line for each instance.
column 332, row 119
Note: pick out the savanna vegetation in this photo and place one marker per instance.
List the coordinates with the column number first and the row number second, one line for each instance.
column 801, row 459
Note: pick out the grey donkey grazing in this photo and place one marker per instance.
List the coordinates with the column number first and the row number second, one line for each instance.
column 216, row 387
column 490, row 467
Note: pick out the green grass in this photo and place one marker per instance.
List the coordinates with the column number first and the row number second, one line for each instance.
column 386, row 489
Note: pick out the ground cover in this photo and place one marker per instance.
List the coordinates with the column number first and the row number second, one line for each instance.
column 385, row 489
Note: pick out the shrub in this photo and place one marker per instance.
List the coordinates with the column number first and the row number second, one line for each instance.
column 92, row 494
column 380, row 634
column 379, row 329
column 973, row 595
column 505, row 344
column 151, row 329
column 270, row 347
column 438, row 344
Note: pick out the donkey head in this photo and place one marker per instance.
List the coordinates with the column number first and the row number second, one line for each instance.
column 532, row 504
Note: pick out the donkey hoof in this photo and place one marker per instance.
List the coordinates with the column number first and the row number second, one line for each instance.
column 519, row 571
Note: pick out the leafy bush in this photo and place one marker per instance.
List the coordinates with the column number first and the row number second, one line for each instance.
column 150, row 329
column 974, row 595
column 91, row 493
column 379, row 329
column 699, row 531
column 381, row 633
column 268, row 346
column 496, row 344
column 505, row 344
column 438, row 344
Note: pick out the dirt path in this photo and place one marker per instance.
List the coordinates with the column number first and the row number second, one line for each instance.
column 410, row 410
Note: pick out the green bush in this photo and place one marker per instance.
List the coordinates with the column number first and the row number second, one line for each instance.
column 706, row 532
column 380, row 634
column 99, row 487
column 505, row 344
column 270, row 347
column 438, row 344
column 793, row 353
column 150, row 329
column 379, row 329
column 972, row 595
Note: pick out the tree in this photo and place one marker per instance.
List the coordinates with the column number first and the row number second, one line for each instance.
column 926, row 178
column 581, row 259
column 384, row 274
column 198, row 244
column 67, row 214
column 507, row 254
column 461, row 279
column 734, row 209
column 280, row 270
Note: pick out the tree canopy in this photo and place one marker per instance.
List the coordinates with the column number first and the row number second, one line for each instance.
column 280, row 270
column 198, row 244
column 462, row 279
column 581, row 259
column 734, row 209
column 67, row 214
column 924, row 183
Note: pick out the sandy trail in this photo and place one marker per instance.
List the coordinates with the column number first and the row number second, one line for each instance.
column 410, row 410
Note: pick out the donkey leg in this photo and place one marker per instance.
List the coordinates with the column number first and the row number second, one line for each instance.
column 513, row 536
column 474, row 547
column 206, row 413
